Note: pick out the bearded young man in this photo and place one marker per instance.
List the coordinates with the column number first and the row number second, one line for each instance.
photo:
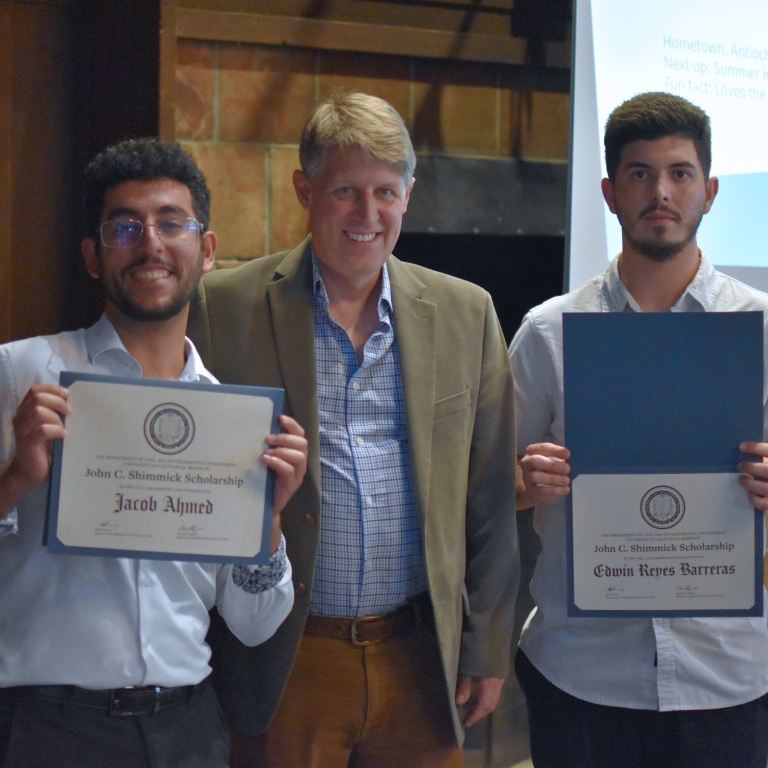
column 635, row 692
column 103, row 660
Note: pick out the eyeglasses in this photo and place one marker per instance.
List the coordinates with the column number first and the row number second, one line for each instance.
column 173, row 230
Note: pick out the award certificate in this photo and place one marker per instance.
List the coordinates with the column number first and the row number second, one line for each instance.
column 658, row 524
column 163, row 470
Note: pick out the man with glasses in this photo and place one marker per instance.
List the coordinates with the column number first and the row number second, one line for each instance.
column 103, row 661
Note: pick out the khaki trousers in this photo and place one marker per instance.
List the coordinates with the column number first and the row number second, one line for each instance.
column 377, row 706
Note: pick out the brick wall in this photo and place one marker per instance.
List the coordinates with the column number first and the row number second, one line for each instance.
column 240, row 110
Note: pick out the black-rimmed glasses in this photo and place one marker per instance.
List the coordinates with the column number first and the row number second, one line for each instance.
column 172, row 230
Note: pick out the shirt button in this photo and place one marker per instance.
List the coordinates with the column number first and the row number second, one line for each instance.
column 146, row 582
column 360, row 441
column 368, row 501
column 311, row 519
column 355, row 385
column 300, row 590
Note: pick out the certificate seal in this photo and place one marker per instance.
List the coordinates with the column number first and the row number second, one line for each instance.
column 169, row 428
column 662, row 507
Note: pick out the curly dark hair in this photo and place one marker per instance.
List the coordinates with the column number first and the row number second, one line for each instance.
column 143, row 160
column 656, row 115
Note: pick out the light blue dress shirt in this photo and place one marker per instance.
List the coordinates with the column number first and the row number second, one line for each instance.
column 109, row 622
column 639, row 663
column 370, row 557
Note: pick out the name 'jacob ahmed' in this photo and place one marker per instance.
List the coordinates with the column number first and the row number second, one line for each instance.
column 177, row 507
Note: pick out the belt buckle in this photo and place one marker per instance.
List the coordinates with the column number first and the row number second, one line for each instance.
column 353, row 630
column 131, row 702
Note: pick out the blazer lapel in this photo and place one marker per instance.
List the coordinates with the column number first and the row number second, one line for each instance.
column 291, row 305
column 415, row 330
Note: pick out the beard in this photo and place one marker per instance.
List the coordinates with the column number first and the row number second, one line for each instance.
column 656, row 250
column 130, row 308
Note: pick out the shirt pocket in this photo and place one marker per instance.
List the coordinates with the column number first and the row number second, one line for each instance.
column 452, row 404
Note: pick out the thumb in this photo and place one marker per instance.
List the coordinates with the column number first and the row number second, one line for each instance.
column 463, row 691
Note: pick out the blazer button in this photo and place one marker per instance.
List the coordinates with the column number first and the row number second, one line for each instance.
column 300, row 590
column 311, row 519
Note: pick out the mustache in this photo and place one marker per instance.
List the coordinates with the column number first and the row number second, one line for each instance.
column 658, row 208
column 151, row 262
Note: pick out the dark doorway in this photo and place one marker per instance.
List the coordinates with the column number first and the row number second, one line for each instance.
column 519, row 271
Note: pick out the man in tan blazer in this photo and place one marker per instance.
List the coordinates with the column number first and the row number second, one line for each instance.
column 402, row 537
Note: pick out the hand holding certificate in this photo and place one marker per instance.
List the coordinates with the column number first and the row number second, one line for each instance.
column 166, row 470
column 658, row 523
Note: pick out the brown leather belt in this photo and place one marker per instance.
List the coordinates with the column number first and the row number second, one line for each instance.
column 364, row 630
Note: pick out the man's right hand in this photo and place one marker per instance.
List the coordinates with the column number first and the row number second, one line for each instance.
column 36, row 424
column 545, row 474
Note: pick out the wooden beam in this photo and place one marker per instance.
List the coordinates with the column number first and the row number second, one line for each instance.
column 6, row 171
column 167, row 117
column 224, row 26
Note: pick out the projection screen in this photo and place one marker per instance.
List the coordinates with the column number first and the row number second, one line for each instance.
column 712, row 53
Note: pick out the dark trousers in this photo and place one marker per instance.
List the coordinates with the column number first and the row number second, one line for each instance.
column 567, row 732
column 40, row 733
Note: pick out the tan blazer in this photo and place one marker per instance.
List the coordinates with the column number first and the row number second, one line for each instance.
column 255, row 325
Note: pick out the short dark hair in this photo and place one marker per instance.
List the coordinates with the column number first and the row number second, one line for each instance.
column 143, row 160
column 656, row 115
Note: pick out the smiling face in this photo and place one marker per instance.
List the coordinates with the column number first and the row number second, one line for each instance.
column 659, row 195
column 356, row 206
column 150, row 281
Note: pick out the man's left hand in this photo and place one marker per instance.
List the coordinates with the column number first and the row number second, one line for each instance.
column 754, row 475
column 486, row 697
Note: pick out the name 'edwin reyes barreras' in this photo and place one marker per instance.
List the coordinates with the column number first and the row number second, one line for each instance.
column 657, row 571
column 164, row 477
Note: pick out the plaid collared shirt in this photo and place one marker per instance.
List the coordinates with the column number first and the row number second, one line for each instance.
column 370, row 558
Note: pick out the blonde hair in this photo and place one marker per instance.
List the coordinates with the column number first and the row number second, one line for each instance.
column 346, row 120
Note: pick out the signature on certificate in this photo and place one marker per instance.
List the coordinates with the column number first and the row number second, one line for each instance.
column 686, row 588
column 611, row 591
column 190, row 530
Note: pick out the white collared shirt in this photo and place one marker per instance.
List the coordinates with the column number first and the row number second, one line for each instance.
column 640, row 663
column 101, row 622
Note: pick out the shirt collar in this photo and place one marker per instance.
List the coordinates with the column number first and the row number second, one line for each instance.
column 616, row 298
column 701, row 288
column 194, row 370
column 385, row 299
column 103, row 343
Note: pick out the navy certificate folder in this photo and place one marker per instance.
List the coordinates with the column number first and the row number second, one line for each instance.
column 662, row 393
